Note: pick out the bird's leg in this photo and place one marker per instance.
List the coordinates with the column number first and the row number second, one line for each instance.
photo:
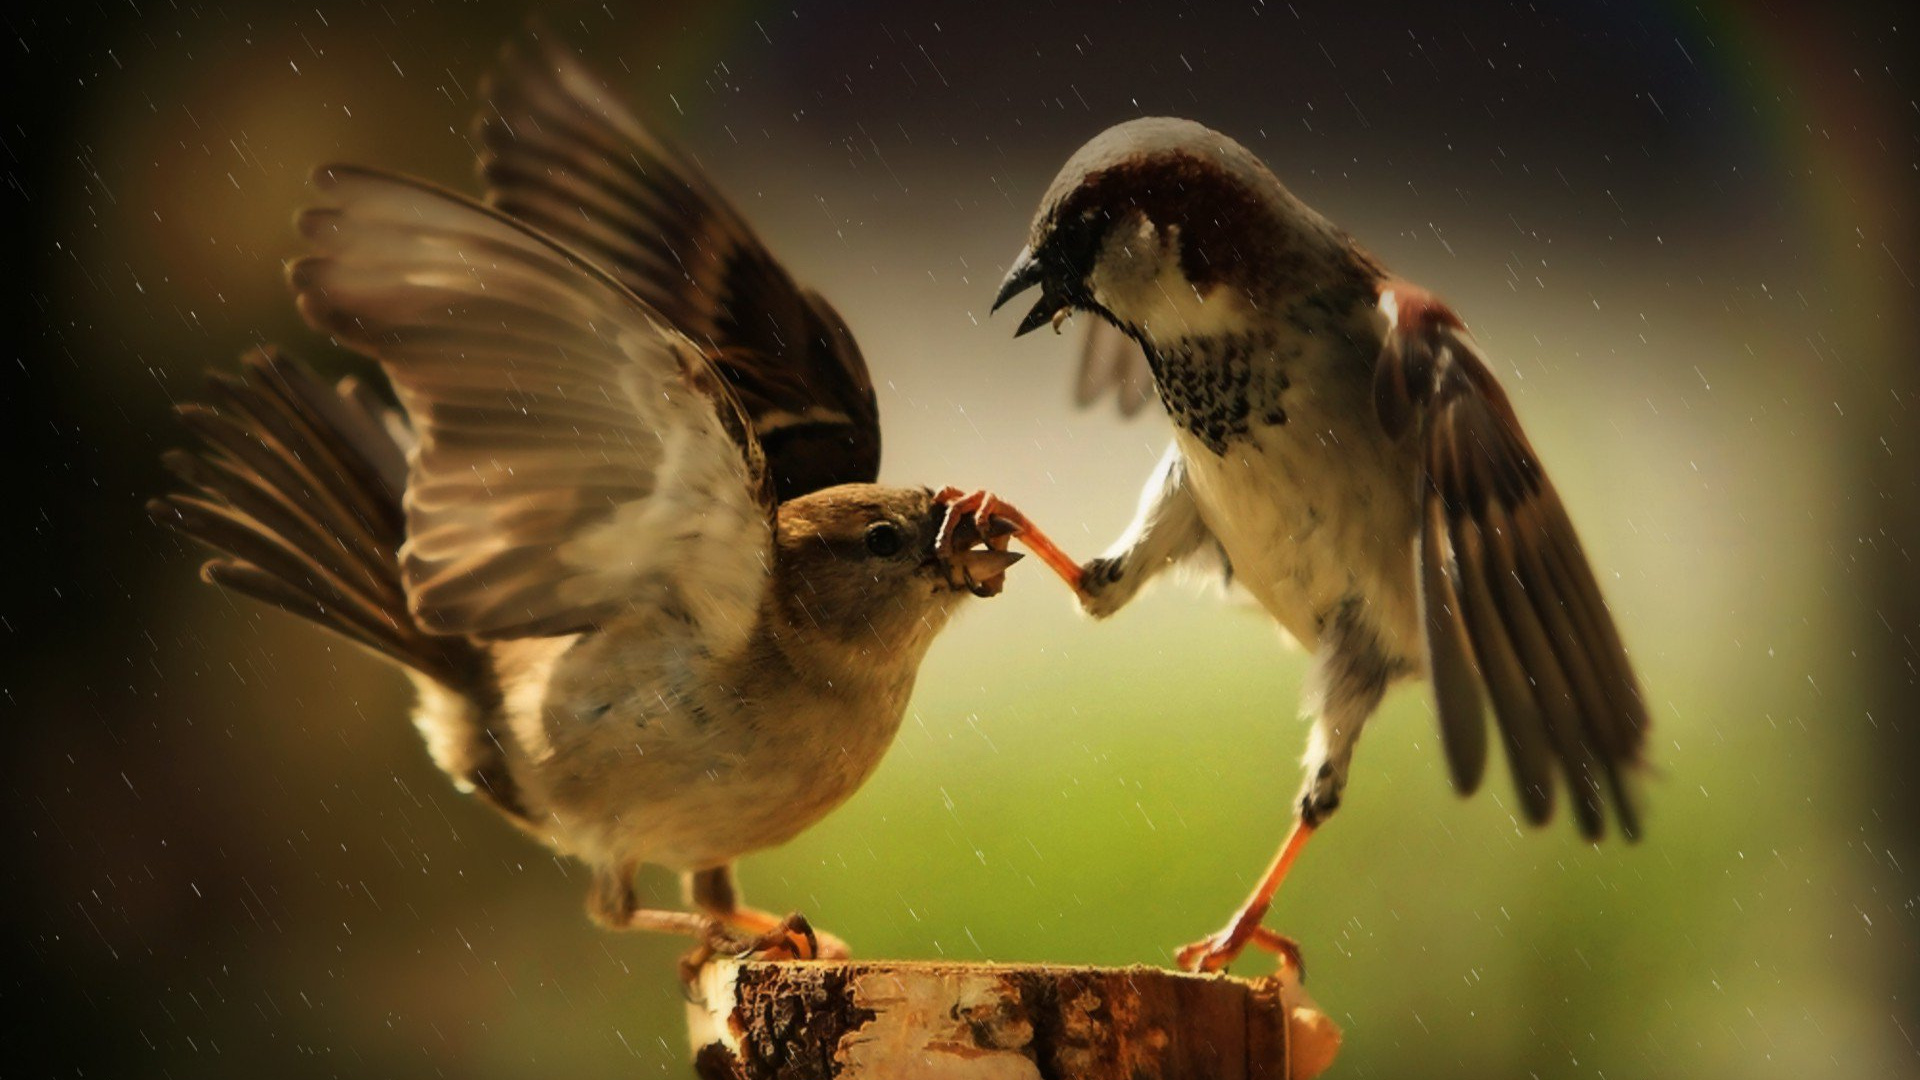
column 1219, row 949
column 1166, row 528
column 772, row 937
column 612, row 904
column 730, row 930
column 991, row 520
column 1350, row 674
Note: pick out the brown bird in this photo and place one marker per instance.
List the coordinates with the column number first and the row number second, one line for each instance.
column 1341, row 442
column 625, row 540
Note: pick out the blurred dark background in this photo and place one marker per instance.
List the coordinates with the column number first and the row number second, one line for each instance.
column 1685, row 233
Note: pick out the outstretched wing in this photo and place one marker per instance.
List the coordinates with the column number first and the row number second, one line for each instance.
column 1511, row 605
column 1113, row 363
column 560, row 153
column 575, row 460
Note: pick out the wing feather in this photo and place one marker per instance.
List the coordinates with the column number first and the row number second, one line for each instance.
column 1510, row 602
column 1456, row 683
column 575, row 459
column 559, row 152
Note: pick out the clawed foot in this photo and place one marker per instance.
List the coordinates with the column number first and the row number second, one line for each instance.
column 792, row 938
column 982, row 517
column 1217, row 950
column 976, row 518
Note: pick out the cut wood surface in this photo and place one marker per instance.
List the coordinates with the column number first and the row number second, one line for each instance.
column 854, row 1020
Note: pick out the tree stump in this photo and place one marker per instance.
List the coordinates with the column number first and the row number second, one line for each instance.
column 754, row 1020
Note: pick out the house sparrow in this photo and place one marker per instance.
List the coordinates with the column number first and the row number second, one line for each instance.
column 1342, row 442
column 625, row 541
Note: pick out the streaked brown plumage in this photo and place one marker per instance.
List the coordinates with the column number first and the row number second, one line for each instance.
column 655, row 609
column 1339, row 438
column 562, row 154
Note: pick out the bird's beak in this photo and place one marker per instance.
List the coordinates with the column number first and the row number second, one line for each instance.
column 1028, row 270
column 1024, row 274
column 982, row 571
column 970, row 560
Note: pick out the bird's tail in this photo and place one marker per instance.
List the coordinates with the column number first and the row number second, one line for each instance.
column 298, row 485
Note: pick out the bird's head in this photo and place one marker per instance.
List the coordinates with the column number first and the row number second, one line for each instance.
column 861, row 565
column 1164, row 227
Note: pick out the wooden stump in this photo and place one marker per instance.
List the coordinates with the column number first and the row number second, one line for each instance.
column 753, row 1020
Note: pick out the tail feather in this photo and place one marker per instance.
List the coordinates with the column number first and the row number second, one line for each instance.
column 299, row 485
column 348, row 490
column 256, row 548
column 242, row 498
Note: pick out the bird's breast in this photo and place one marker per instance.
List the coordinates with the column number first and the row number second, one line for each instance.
column 645, row 751
column 1219, row 388
column 1311, row 501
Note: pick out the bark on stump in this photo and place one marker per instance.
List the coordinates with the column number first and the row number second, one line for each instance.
column 752, row 1020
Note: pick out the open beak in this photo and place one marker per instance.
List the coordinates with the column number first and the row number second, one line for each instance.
column 1027, row 271
column 982, row 571
column 972, row 560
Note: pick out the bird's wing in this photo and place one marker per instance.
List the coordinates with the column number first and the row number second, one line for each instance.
column 575, row 459
column 1113, row 363
column 562, row 154
column 1510, row 603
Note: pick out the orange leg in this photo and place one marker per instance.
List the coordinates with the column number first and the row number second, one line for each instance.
column 723, row 926
column 1219, row 949
column 791, row 938
column 988, row 509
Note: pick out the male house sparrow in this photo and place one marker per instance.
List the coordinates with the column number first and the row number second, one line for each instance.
column 1339, row 438
column 626, row 541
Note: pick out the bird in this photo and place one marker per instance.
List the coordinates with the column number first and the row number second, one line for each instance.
column 623, row 532
column 1342, row 447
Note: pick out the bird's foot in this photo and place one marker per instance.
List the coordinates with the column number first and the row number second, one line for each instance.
column 795, row 938
column 791, row 938
column 983, row 517
column 975, row 518
column 1221, row 948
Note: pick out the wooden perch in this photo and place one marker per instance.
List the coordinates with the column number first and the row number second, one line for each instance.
column 752, row 1020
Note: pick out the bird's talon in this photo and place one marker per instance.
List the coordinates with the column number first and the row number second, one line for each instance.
column 793, row 938
column 1281, row 946
column 1218, row 950
column 1001, row 529
column 1210, row 954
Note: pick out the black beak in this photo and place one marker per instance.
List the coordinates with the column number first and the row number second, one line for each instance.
column 1024, row 274
column 1027, row 271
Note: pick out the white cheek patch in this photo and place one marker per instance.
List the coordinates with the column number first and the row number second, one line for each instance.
column 1138, row 278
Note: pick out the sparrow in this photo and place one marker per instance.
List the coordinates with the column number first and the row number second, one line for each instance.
column 623, row 533
column 1341, row 443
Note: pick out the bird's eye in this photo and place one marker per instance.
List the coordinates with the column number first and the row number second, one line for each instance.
column 883, row 539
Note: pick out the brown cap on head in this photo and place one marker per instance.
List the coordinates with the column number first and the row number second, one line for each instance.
column 860, row 559
column 1235, row 221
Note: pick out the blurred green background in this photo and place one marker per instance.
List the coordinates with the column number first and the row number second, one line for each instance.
column 1685, row 234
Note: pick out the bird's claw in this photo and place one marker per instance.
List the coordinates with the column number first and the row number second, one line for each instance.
column 981, row 517
column 1221, row 948
column 1211, row 953
column 976, row 518
column 792, row 938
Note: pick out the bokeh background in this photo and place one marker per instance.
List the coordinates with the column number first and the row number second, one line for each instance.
column 1684, row 231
